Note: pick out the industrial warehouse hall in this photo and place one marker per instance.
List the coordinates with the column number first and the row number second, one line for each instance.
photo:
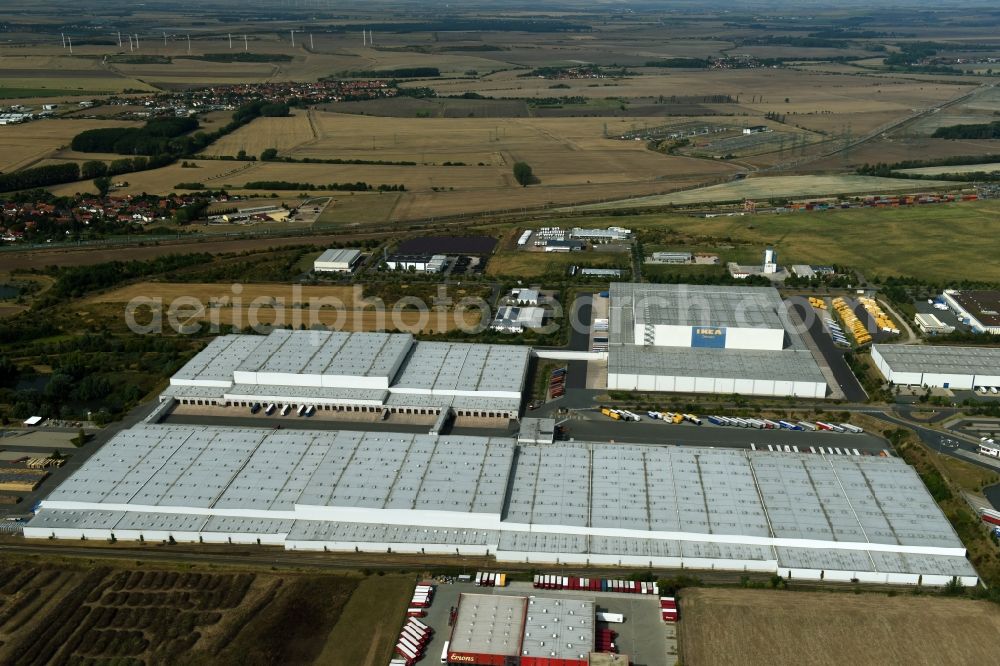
column 802, row 515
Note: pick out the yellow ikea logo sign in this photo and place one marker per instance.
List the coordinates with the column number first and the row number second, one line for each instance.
column 708, row 331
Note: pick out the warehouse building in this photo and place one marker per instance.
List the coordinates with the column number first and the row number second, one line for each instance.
column 337, row 261
column 807, row 516
column 929, row 324
column 672, row 257
column 703, row 339
column 980, row 309
column 937, row 366
column 366, row 372
column 418, row 263
column 515, row 319
column 531, row 631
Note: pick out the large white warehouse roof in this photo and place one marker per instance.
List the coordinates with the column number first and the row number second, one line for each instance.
column 575, row 502
column 691, row 305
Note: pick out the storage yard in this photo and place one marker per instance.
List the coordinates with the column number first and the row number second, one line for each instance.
column 762, row 628
column 696, row 339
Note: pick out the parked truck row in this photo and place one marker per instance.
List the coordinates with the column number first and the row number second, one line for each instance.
column 491, row 579
column 668, row 609
column 669, row 417
column 271, row 408
column 768, row 424
column 547, row 582
column 412, row 642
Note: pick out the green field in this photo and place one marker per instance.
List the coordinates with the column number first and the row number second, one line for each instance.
column 939, row 242
column 367, row 629
column 538, row 264
column 359, row 209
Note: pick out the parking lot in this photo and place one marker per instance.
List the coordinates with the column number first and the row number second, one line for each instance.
column 644, row 637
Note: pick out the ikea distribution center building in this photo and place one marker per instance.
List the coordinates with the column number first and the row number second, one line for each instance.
column 698, row 339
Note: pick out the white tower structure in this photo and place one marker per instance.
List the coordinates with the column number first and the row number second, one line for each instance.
column 770, row 261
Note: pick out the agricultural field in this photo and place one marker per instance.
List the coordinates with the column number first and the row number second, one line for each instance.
column 284, row 134
column 949, row 240
column 341, row 308
column 26, row 145
column 750, row 627
column 29, row 73
column 767, row 187
column 982, row 107
column 214, row 174
column 957, row 168
column 74, row 613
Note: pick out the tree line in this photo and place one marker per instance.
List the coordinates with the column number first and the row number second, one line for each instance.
column 359, row 186
column 50, row 174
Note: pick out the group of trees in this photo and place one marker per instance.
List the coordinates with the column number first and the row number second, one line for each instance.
column 972, row 131
column 156, row 137
column 50, row 174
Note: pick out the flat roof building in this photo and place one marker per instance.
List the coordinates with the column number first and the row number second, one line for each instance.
column 340, row 370
column 337, row 261
column 577, row 503
column 515, row 319
column 929, row 324
column 938, row 365
column 707, row 339
column 980, row 308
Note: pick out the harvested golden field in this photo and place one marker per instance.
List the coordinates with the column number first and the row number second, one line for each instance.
column 24, row 145
column 766, row 187
column 806, row 92
column 210, row 173
column 748, row 627
column 570, row 157
column 240, row 305
column 281, row 133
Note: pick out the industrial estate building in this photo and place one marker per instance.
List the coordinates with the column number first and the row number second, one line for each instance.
column 419, row 263
column 980, row 309
column 807, row 516
column 707, row 340
column 337, row 261
column 530, row 631
column 366, row 372
column 938, row 366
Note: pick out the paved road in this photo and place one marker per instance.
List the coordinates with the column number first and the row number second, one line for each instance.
column 834, row 357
